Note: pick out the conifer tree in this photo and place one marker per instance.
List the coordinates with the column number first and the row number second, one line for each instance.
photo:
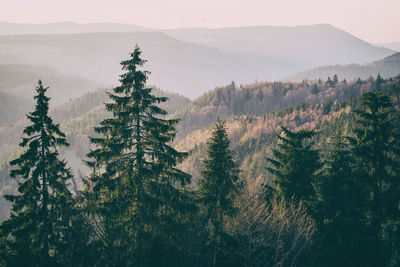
column 329, row 82
column 216, row 193
column 338, row 209
column 38, row 231
column 135, row 183
column 335, row 79
column 295, row 165
column 378, row 82
column 376, row 147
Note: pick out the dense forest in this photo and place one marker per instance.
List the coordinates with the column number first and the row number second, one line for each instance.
column 268, row 174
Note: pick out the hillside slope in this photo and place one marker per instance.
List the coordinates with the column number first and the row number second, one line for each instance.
column 278, row 51
column 253, row 137
column 12, row 108
column 262, row 97
column 193, row 61
column 387, row 67
column 20, row 80
column 176, row 66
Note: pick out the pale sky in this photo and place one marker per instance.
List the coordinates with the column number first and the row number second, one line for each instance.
column 375, row 21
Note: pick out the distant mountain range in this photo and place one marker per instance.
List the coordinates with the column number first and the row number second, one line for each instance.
column 387, row 67
column 393, row 46
column 188, row 61
column 7, row 28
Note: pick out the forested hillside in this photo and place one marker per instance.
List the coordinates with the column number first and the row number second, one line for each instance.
column 263, row 97
column 253, row 135
column 251, row 110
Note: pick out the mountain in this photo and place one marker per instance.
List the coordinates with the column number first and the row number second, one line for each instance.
column 193, row 61
column 12, row 108
column 176, row 66
column 17, row 87
column 387, row 67
column 7, row 28
column 20, row 80
column 276, row 51
column 393, row 46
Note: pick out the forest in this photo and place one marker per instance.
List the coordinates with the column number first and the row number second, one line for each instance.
column 266, row 174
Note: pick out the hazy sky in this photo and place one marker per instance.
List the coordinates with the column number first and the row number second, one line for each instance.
column 372, row 20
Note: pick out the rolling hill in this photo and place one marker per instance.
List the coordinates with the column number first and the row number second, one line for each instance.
column 393, row 46
column 277, row 51
column 17, row 87
column 191, row 61
column 65, row 28
column 387, row 67
column 20, row 80
column 252, row 137
column 176, row 66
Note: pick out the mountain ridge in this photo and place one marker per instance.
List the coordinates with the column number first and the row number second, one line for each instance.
column 386, row 67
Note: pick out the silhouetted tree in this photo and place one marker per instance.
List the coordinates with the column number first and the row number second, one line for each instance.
column 135, row 184
column 39, row 232
column 295, row 165
column 216, row 193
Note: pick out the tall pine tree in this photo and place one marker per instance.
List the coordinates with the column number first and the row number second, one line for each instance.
column 135, row 183
column 38, row 231
column 338, row 208
column 376, row 147
column 216, row 193
column 295, row 165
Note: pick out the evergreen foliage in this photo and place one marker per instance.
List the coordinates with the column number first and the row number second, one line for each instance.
column 295, row 165
column 38, row 232
column 217, row 192
column 338, row 207
column 136, row 188
column 376, row 148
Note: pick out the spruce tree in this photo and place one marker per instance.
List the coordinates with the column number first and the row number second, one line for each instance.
column 338, row 208
column 378, row 82
column 38, row 231
column 295, row 165
column 135, row 184
column 335, row 79
column 376, row 147
column 216, row 194
column 329, row 82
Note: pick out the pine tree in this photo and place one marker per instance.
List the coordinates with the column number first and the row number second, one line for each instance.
column 314, row 89
column 295, row 165
column 376, row 145
column 338, row 208
column 39, row 228
column 378, row 82
column 216, row 193
column 135, row 184
column 335, row 79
